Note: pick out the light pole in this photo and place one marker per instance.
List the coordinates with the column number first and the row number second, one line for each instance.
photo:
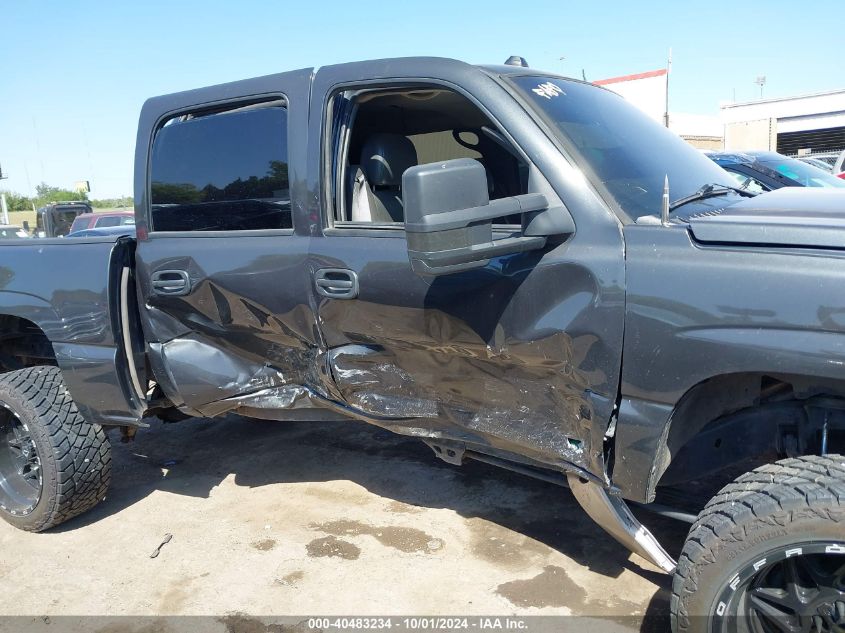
column 761, row 81
column 3, row 206
column 666, row 105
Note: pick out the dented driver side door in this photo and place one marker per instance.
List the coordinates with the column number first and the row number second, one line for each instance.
column 520, row 357
column 221, row 266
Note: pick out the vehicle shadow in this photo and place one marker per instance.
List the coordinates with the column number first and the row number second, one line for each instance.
column 194, row 456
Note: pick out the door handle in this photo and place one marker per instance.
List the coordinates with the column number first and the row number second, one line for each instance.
column 172, row 283
column 336, row 283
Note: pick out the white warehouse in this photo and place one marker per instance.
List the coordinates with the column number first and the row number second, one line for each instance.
column 804, row 124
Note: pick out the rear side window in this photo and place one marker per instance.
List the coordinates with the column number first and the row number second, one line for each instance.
column 224, row 171
column 78, row 224
column 63, row 221
column 109, row 220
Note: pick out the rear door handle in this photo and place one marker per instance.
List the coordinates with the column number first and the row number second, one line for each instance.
column 172, row 283
column 336, row 283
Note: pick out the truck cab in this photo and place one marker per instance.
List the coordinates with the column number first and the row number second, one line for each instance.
column 56, row 219
column 510, row 265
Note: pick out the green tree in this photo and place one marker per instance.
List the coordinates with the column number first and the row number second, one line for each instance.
column 46, row 194
column 113, row 203
column 17, row 202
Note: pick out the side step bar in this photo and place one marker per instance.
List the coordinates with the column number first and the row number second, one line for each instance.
column 612, row 514
column 609, row 511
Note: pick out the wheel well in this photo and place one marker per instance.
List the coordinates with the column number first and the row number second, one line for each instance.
column 23, row 344
column 731, row 424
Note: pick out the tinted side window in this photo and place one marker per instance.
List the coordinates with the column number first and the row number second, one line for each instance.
column 78, row 224
column 109, row 221
column 225, row 171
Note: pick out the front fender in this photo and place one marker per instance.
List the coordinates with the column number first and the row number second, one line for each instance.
column 695, row 312
column 644, row 423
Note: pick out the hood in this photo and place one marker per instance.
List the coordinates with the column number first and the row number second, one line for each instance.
column 800, row 217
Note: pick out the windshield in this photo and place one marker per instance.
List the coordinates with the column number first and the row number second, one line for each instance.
column 802, row 173
column 629, row 153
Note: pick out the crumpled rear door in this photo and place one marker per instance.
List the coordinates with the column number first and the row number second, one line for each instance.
column 222, row 258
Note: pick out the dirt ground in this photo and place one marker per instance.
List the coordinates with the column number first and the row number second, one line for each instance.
column 322, row 518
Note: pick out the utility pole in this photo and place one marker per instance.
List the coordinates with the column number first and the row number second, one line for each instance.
column 3, row 206
column 668, row 72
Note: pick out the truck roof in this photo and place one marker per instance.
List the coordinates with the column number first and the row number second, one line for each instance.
column 375, row 69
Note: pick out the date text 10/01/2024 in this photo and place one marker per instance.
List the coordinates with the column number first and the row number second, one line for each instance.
column 419, row 623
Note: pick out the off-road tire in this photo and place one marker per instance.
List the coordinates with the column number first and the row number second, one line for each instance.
column 791, row 501
column 75, row 455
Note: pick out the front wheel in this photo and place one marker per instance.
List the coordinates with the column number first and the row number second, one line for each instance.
column 54, row 464
column 767, row 553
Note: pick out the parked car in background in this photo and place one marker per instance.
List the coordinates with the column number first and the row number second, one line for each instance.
column 836, row 160
column 766, row 171
column 101, row 220
column 12, row 232
column 56, row 219
column 105, row 231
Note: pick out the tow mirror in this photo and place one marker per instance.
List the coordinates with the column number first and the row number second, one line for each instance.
column 449, row 217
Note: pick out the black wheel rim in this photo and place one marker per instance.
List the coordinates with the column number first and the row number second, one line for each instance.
column 20, row 465
column 796, row 589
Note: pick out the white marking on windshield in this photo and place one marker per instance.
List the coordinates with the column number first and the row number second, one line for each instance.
column 548, row 90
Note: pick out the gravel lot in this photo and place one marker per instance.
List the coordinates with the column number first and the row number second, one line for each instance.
column 322, row 518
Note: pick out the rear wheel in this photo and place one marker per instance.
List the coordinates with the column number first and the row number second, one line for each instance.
column 54, row 465
column 768, row 553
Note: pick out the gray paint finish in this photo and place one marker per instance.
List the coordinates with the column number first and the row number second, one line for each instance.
column 791, row 216
column 68, row 288
column 697, row 311
column 518, row 358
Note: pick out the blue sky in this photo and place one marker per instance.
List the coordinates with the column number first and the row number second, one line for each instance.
column 73, row 75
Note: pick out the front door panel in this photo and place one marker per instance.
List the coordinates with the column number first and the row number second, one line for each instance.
column 521, row 356
column 513, row 355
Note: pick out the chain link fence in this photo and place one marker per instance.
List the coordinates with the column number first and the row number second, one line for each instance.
column 832, row 158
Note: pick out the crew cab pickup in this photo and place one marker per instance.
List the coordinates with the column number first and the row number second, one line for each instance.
column 510, row 265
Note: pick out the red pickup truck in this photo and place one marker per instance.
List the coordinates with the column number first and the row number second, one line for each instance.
column 100, row 220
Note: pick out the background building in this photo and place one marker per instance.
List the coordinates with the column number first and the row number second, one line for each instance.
column 805, row 124
column 648, row 91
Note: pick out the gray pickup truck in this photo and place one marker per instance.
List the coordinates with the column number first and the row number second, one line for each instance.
column 512, row 266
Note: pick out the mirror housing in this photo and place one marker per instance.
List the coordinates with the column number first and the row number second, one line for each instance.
column 449, row 217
